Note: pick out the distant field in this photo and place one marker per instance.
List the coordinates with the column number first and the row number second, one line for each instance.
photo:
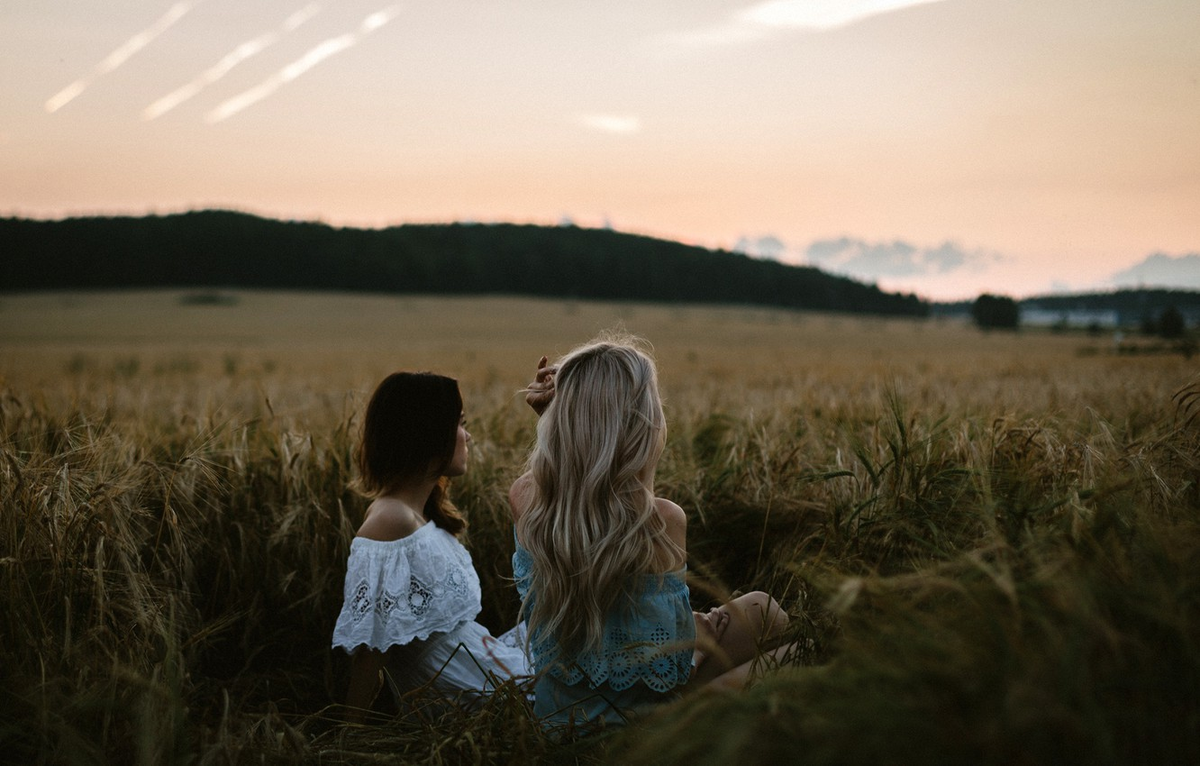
column 349, row 341
column 987, row 542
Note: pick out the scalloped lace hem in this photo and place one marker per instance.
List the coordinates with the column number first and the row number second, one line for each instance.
column 677, row 674
column 352, row 646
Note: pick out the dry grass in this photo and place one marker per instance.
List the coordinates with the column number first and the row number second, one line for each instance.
column 987, row 542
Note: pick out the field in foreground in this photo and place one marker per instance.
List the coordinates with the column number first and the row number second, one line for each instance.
column 987, row 542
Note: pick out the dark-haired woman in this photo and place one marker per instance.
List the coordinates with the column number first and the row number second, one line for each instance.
column 411, row 593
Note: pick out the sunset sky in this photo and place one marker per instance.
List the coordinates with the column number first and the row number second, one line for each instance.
column 946, row 147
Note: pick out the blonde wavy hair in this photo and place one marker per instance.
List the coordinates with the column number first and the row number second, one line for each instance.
column 591, row 525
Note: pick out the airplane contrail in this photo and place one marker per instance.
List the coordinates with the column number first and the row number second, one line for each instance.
column 239, row 54
column 121, row 55
column 314, row 56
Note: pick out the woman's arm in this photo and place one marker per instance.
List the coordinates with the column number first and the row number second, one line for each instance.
column 366, row 679
column 538, row 395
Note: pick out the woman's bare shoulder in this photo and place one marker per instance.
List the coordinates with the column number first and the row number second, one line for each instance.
column 388, row 520
column 670, row 512
column 520, row 495
column 676, row 522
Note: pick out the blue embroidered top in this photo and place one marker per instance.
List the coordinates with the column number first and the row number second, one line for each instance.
column 650, row 639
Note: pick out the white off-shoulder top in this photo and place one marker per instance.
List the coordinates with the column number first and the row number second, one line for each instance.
column 398, row 591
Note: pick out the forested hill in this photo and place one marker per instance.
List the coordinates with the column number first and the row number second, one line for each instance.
column 221, row 249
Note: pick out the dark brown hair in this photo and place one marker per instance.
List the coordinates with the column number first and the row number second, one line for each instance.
column 409, row 433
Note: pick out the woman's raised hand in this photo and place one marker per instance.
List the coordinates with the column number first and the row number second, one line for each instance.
column 540, row 392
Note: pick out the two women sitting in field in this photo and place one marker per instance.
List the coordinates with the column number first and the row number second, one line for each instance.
column 607, row 628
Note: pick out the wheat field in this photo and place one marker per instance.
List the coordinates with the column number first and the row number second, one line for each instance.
column 987, row 542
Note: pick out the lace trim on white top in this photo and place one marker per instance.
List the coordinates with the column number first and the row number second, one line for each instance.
column 398, row 591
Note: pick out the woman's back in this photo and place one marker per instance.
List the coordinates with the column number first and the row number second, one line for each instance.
column 599, row 559
column 645, row 653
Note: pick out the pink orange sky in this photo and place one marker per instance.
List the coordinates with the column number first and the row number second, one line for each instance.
column 946, row 147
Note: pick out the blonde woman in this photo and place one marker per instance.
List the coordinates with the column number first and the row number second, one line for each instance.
column 600, row 560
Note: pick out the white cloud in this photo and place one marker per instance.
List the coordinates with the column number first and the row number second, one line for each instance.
column 610, row 123
column 820, row 15
column 1161, row 270
column 774, row 16
column 120, row 55
column 731, row 33
column 896, row 259
column 946, row 271
column 292, row 71
column 767, row 246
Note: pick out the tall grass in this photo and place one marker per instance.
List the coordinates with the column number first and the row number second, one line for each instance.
column 1000, row 595
column 988, row 562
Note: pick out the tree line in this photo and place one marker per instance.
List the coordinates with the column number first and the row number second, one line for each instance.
column 223, row 249
column 1133, row 306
